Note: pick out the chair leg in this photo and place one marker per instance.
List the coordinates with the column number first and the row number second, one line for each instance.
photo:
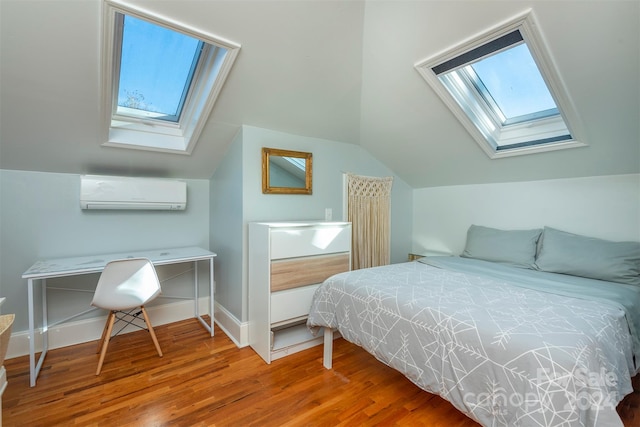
column 107, row 337
column 153, row 334
column 104, row 331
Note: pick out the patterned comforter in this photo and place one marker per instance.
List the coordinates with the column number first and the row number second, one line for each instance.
column 502, row 352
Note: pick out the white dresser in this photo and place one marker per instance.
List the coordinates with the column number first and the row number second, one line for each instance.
column 287, row 263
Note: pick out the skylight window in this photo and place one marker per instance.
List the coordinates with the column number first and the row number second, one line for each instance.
column 157, row 67
column 504, row 91
column 512, row 80
column 162, row 79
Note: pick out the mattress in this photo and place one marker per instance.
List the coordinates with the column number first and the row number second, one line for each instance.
column 507, row 346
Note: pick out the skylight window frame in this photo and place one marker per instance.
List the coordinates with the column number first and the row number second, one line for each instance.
column 145, row 132
column 483, row 93
column 497, row 136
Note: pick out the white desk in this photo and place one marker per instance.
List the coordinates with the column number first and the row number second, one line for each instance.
column 63, row 267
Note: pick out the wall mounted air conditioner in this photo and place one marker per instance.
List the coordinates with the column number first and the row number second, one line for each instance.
column 111, row 192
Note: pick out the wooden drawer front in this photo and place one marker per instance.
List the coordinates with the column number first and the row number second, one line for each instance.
column 300, row 242
column 291, row 304
column 292, row 273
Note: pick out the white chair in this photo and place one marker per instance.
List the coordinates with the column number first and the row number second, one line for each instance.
column 124, row 287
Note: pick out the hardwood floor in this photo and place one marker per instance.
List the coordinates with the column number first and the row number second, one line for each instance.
column 204, row 381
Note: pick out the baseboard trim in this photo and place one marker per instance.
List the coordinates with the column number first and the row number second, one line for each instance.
column 81, row 331
column 237, row 331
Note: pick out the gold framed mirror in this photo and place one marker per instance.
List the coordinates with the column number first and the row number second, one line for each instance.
column 286, row 171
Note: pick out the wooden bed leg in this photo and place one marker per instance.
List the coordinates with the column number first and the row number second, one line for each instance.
column 328, row 348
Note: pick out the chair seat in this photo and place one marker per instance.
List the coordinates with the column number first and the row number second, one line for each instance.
column 120, row 300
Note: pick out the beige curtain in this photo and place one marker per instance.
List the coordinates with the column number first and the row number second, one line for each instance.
column 369, row 211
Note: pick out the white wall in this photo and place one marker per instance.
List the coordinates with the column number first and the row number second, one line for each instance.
column 226, row 229
column 606, row 207
column 331, row 160
column 404, row 122
column 40, row 218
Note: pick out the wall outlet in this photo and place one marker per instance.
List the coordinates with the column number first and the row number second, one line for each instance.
column 328, row 214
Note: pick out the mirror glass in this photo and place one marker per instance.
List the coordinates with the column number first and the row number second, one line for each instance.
column 286, row 171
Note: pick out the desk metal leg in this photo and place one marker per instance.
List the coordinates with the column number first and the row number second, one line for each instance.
column 45, row 324
column 208, row 327
column 34, row 369
column 212, row 292
column 196, row 295
column 32, row 335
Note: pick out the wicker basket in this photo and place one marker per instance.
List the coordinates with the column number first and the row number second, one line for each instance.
column 6, row 320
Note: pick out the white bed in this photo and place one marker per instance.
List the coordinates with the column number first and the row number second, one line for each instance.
column 508, row 346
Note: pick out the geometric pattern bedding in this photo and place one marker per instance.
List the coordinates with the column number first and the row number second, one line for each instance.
column 502, row 354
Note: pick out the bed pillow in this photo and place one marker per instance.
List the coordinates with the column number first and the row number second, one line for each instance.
column 567, row 253
column 514, row 247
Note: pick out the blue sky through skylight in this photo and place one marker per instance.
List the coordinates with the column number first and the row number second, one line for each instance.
column 513, row 80
column 156, row 67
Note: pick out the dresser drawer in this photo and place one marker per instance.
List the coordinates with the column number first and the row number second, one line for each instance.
column 301, row 242
column 295, row 272
column 292, row 303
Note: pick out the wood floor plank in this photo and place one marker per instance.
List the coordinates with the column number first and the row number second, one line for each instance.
column 208, row 381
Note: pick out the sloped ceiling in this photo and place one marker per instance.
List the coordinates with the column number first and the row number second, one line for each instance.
column 337, row 70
